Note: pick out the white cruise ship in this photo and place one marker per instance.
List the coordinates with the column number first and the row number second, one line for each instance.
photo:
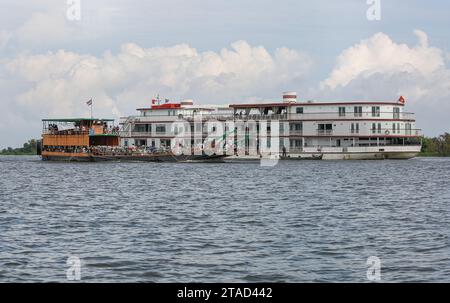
column 288, row 129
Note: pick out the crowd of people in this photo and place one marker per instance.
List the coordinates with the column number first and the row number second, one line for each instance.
column 106, row 150
column 53, row 129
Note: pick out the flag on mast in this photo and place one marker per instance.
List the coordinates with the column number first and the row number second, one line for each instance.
column 89, row 103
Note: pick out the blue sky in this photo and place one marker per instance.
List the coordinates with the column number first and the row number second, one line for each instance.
column 317, row 32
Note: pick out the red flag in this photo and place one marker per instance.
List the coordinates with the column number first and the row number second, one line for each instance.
column 401, row 100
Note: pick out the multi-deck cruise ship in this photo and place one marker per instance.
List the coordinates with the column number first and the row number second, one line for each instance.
column 288, row 129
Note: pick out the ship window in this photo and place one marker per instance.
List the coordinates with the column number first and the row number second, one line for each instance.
column 379, row 128
column 396, row 113
column 358, row 111
column 139, row 128
column 341, row 111
column 355, row 128
column 374, row 128
column 375, row 111
column 408, row 129
column 393, row 128
column 296, row 127
column 160, row 128
column 299, row 110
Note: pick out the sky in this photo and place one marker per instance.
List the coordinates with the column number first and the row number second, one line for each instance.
column 57, row 54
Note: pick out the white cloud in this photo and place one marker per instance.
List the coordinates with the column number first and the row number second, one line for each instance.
column 5, row 36
column 380, row 54
column 381, row 69
column 59, row 83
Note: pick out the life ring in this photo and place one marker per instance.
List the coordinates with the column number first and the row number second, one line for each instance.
column 387, row 132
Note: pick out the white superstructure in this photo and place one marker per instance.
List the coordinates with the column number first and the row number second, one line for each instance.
column 334, row 130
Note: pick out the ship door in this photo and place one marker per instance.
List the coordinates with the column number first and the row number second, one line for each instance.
column 338, row 142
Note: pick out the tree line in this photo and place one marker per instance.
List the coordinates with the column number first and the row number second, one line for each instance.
column 28, row 148
column 437, row 146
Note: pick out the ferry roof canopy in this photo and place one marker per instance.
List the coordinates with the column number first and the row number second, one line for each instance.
column 76, row 120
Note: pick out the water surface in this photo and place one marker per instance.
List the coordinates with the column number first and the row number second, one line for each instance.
column 303, row 221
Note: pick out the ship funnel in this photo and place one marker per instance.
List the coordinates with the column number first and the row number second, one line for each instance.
column 289, row 97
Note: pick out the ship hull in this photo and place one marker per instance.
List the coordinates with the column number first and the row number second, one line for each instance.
column 133, row 158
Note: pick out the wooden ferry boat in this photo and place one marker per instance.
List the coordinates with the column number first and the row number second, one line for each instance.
column 93, row 140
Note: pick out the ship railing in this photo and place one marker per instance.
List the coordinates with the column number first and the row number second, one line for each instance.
column 260, row 117
column 257, row 117
column 292, row 132
column 351, row 115
column 324, row 132
column 64, row 132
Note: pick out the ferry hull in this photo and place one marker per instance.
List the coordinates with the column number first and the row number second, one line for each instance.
column 133, row 158
column 370, row 156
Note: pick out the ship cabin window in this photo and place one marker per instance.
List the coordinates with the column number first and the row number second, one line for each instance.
column 295, row 143
column 358, row 111
column 342, row 111
column 325, row 129
column 393, row 128
column 408, row 129
column 396, row 113
column 379, row 128
column 165, row 143
column 296, row 127
column 374, row 128
column 139, row 128
column 141, row 142
column 375, row 111
column 299, row 110
column 355, row 128
column 160, row 128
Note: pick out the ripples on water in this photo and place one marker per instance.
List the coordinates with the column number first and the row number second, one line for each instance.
column 295, row 222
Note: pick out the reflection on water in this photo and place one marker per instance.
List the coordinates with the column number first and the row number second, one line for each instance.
column 297, row 221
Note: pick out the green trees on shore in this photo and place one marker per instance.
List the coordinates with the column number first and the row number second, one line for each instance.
column 437, row 146
column 29, row 148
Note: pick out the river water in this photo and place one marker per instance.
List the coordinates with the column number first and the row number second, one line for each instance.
column 305, row 221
